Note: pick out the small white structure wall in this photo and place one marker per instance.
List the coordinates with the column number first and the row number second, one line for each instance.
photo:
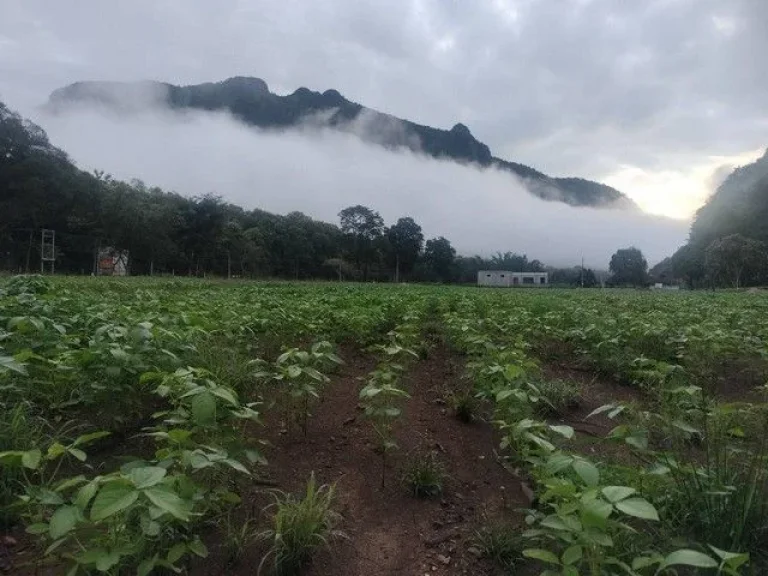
column 506, row 279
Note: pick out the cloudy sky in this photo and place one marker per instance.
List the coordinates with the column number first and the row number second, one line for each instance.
column 658, row 98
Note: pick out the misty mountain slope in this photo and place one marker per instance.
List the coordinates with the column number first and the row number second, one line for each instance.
column 40, row 185
column 738, row 206
column 735, row 204
column 250, row 100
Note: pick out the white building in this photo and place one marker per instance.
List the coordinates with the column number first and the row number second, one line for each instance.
column 506, row 278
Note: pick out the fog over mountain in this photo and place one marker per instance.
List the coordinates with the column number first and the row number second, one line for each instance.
column 319, row 171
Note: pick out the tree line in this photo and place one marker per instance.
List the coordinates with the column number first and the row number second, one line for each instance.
column 167, row 233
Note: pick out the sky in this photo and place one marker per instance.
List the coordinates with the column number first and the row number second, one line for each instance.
column 658, row 98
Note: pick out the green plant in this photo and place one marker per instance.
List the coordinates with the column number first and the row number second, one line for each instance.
column 558, row 395
column 300, row 525
column 380, row 397
column 464, row 405
column 300, row 373
column 722, row 498
column 578, row 530
column 500, row 543
column 20, row 430
column 424, row 475
column 240, row 532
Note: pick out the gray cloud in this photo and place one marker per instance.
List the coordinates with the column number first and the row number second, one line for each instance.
column 320, row 172
column 572, row 87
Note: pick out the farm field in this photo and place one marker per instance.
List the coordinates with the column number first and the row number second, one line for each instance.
column 153, row 426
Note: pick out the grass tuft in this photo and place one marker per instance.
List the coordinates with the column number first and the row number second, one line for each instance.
column 560, row 395
column 424, row 476
column 500, row 543
column 300, row 526
column 465, row 406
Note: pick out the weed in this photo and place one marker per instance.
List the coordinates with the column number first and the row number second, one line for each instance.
column 464, row 405
column 239, row 534
column 424, row 476
column 20, row 430
column 559, row 395
column 300, row 526
column 500, row 543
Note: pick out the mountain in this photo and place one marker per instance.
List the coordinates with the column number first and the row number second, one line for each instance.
column 738, row 206
column 250, row 100
column 733, row 205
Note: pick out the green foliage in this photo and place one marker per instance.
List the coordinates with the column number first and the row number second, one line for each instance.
column 300, row 525
column 731, row 259
column 29, row 284
column 299, row 374
column 424, row 475
column 628, row 266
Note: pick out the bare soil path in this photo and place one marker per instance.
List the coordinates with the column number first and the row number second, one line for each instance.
column 388, row 531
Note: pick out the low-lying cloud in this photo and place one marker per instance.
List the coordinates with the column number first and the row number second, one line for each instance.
column 321, row 171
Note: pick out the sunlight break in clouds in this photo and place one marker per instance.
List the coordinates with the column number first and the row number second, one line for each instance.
column 677, row 193
column 319, row 172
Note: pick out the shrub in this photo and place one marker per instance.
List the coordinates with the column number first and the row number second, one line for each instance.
column 300, row 526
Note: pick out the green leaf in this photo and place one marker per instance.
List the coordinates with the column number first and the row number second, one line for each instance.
column 543, row 555
column 31, row 459
column 732, row 559
column 148, row 526
column 63, row 521
column 107, row 560
column 587, row 471
column 225, row 394
column 176, row 552
column 572, row 555
column 596, row 511
column 617, row 493
column 55, row 450
column 638, row 507
column 77, row 453
column 687, row 557
column 88, row 438
column 146, row 566
column 204, row 408
column 37, row 528
column 234, row 464
column 198, row 548
column 564, row 431
column 85, row 495
column 147, row 476
column 111, row 499
column 68, row 483
column 168, row 501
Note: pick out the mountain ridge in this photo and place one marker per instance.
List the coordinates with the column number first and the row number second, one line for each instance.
column 250, row 100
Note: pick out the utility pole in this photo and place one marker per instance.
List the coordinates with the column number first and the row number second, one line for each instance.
column 582, row 271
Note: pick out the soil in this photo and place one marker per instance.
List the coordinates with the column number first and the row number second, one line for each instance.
column 387, row 531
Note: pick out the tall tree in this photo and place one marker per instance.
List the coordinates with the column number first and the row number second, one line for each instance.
column 405, row 241
column 734, row 257
column 361, row 226
column 628, row 266
column 439, row 256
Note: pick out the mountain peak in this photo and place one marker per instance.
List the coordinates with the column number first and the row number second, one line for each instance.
column 246, row 83
column 461, row 129
column 249, row 99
